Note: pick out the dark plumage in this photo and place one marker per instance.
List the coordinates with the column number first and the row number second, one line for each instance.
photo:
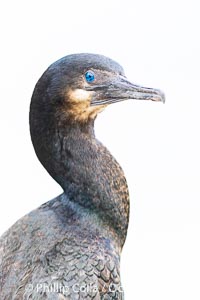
column 75, row 240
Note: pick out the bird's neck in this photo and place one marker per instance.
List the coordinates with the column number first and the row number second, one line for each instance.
column 90, row 176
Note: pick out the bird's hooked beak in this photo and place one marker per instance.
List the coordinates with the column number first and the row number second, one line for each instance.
column 121, row 89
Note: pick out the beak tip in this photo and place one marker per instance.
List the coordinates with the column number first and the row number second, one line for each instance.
column 159, row 96
column 163, row 99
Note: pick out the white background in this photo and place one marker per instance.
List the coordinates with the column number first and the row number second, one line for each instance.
column 158, row 44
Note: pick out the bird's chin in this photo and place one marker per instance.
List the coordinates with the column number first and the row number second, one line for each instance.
column 94, row 110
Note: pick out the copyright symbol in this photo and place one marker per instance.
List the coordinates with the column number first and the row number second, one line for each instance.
column 29, row 287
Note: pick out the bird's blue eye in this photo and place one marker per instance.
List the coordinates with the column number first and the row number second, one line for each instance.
column 89, row 76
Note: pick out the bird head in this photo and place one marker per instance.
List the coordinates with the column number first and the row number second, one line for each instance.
column 79, row 86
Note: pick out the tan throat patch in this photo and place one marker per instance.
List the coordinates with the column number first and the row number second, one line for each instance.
column 79, row 95
column 80, row 108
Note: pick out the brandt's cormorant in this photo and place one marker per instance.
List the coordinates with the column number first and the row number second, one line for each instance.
column 69, row 248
